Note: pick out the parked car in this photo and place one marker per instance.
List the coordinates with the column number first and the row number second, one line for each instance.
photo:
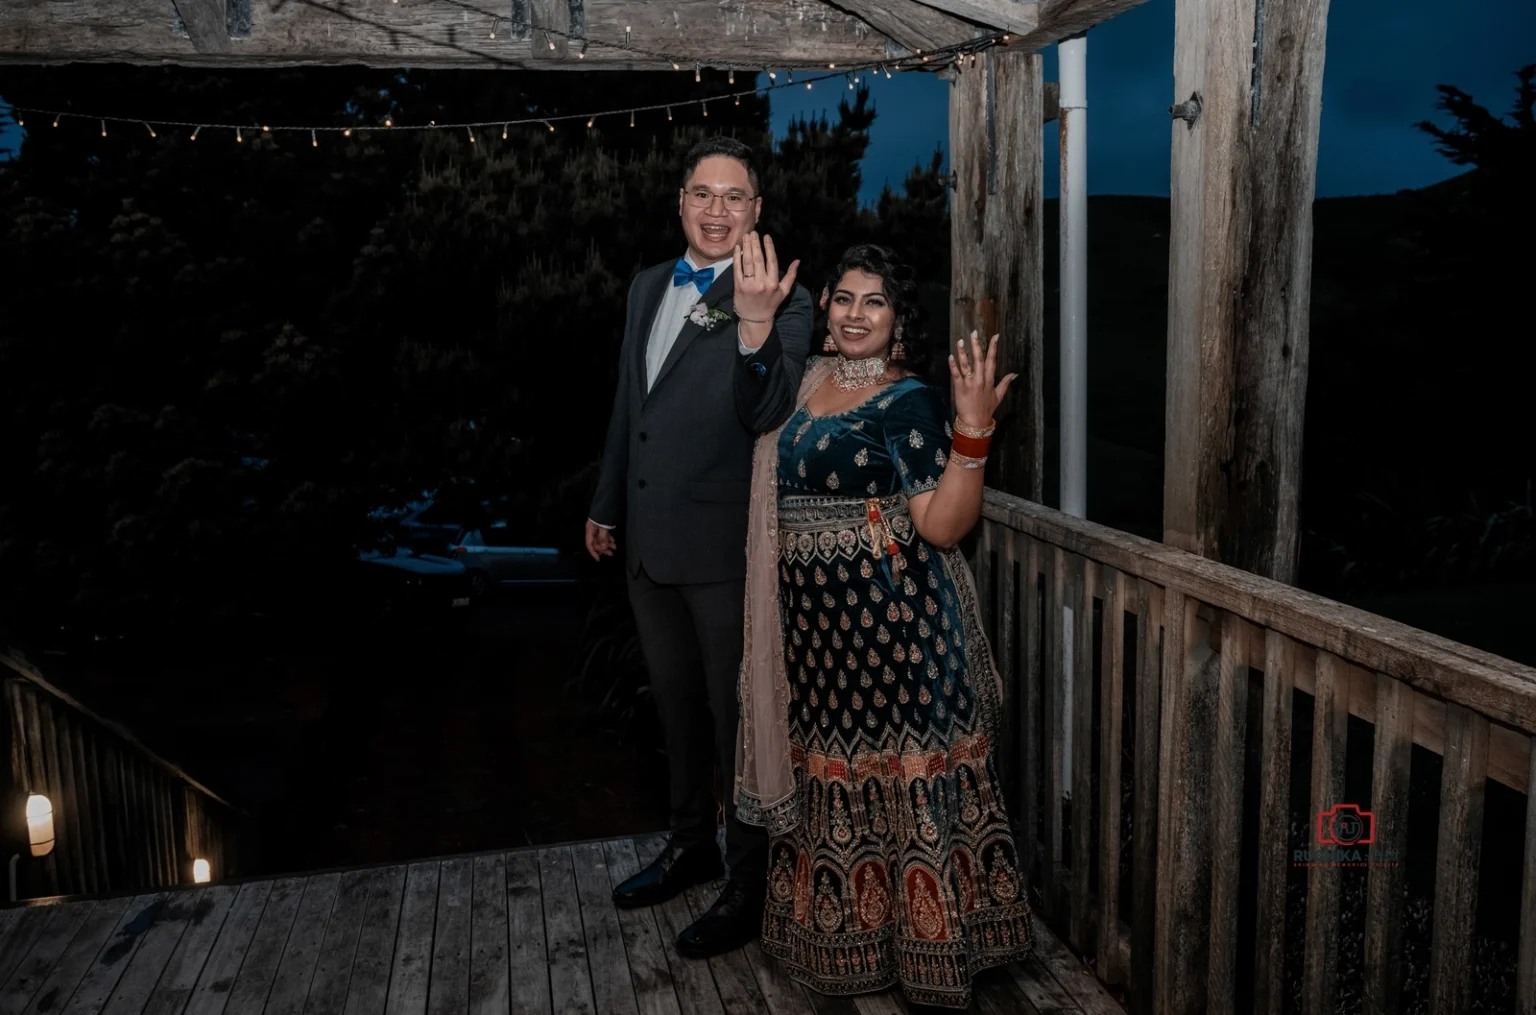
column 496, row 557
column 395, row 581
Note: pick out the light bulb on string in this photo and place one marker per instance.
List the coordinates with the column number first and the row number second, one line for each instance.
column 703, row 107
column 669, row 114
column 850, row 81
column 150, row 129
column 549, row 40
column 887, row 71
column 696, row 74
column 730, row 76
column 388, row 122
column 738, row 100
column 773, row 76
column 581, row 54
column 627, row 30
column 676, row 65
column 56, row 119
column 631, row 117
column 196, row 132
column 807, row 86
column 265, row 129
column 494, row 23
column 591, row 122
column 831, row 66
column 470, row 131
column 314, row 142
column 238, row 138
column 503, row 132
column 103, row 128
column 550, row 126
column 347, row 132
column 789, row 76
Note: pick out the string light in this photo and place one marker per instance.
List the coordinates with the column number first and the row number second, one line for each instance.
column 696, row 77
column 851, row 75
column 550, row 41
column 831, row 66
column 495, row 22
column 314, row 142
column 730, row 77
column 676, row 65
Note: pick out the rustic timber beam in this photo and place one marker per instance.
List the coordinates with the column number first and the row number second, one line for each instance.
column 206, row 22
column 997, row 237
column 1003, row 15
column 912, row 27
column 1062, row 19
column 620, row 34
column 1249, row 94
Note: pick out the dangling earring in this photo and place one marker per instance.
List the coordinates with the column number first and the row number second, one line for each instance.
column 829, row 347
column 898, row 350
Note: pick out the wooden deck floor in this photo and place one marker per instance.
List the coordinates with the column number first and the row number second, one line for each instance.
column 527, row 931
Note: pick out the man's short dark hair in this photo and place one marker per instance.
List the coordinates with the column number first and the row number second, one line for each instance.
column 720, row 145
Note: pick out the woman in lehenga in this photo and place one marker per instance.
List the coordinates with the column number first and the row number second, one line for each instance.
column 869, row 693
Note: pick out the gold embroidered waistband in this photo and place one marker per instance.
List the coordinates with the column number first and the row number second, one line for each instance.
column 816, row 514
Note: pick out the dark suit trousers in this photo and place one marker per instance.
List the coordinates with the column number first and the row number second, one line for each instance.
column 691, row 636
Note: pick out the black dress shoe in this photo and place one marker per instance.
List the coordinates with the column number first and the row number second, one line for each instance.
column 734, row 919
column 669, row 874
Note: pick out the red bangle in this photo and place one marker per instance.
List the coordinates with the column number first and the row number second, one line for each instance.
column 971, row 447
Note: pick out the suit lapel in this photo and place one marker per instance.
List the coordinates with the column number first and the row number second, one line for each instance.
column 655, row 289
column 720, row 292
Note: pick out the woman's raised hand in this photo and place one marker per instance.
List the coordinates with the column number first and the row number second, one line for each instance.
column 976, row 396
column 759, row 289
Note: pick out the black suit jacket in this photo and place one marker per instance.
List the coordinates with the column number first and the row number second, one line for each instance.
column 677, row 466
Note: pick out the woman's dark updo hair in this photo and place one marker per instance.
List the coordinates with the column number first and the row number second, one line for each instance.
column 899, row 283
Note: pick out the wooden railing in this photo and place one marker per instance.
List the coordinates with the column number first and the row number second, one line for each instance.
column 124, row 818
column 1130, row 666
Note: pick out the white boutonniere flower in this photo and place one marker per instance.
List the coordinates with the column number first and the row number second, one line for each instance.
column 708, row 318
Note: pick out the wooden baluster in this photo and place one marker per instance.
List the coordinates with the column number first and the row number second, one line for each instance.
column 1330, row 733
column 1084, row 575
column 1227, row 809
column 1525, row 963
column 1274, row 823
column 1029, row 704
column 986, row 585
column 1111, row 712
column 1385, row 889
column 1183, row 836
column 1146, row 792
column 1003, row 638
column 1054, row 686
column 1462, row 788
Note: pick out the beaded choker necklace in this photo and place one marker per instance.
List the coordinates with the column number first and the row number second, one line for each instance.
column 853, row 374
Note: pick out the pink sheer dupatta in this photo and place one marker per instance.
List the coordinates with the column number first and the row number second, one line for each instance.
column 765, row 779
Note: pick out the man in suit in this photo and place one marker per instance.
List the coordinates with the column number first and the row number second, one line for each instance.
column 715, row 345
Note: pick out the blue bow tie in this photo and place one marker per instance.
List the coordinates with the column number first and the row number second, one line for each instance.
column 682, row 274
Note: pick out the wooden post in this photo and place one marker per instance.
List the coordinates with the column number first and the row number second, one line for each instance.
column 1249, row 88
column 996, row 239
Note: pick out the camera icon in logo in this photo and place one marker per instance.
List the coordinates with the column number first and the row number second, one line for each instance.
column 1346, row 825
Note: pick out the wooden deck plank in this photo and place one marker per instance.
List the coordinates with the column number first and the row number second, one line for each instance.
column 19, row 927
column 327, row 993
column 997, row 993
column 734, row 979
column 153, row 953
column 253, row 984
column 781, row 994
column 612, row 989
column 527, row 951
column 65, row 977
column 648, row 972
column 489, row 989
column 448, row 989
column 887, row 1002
column 408, row 980
column 1074, row 978
column 296, row 969
column 570, row 980
column 695, row 984
column 169, row 995
column 106, row 968
column 368, row 986
column 218, row 974
column 45, row 951
column 1040, row 989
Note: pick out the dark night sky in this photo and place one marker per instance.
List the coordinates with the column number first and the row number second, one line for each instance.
column 1384, row 61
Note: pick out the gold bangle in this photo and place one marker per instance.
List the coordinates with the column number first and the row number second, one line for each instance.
column 971, row 431
column 967, row 462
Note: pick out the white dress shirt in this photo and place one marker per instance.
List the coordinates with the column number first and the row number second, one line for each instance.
column 676, row 303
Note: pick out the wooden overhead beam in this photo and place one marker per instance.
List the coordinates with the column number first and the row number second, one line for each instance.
column 206, row 22
column 745, row 34
column 1021, row 16
column 1062, row 19
column 913, row 27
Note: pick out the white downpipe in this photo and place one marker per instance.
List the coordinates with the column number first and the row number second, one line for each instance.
column 1072, row 70
column 1072, row 61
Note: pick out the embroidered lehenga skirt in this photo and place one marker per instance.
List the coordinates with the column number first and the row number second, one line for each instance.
column 901, row 867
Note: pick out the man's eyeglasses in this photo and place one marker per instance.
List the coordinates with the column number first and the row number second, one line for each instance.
column 701, row 197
